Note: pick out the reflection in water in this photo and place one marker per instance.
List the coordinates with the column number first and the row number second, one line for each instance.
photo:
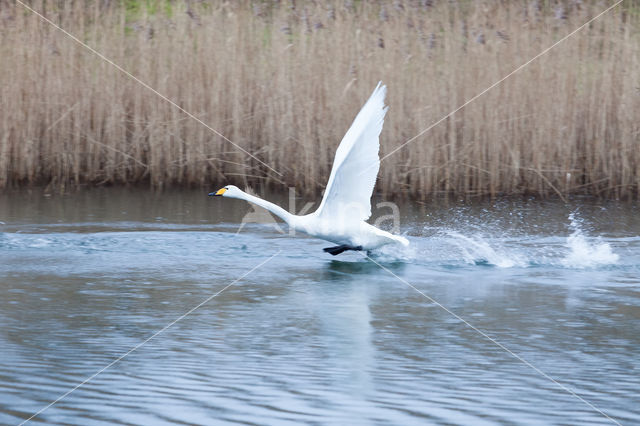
column 339, row 270
column 311, row 338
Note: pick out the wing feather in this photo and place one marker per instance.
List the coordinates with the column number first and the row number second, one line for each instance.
column 356, row 163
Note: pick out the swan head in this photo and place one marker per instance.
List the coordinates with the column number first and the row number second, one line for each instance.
column 230, row 191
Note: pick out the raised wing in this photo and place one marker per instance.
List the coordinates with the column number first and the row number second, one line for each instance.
column 356, row 164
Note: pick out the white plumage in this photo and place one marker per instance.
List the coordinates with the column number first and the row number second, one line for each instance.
column 356, row 164
column 346, row 204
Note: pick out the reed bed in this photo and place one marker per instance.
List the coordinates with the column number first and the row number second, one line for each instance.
column 285, row 79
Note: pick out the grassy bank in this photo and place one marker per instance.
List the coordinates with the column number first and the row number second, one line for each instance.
column 284, row 81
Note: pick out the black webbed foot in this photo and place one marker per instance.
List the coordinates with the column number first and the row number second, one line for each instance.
column 334, row 251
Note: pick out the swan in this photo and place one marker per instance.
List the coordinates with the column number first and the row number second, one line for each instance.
column 346, row 204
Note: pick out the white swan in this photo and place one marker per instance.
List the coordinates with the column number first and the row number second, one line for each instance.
column 346, row 204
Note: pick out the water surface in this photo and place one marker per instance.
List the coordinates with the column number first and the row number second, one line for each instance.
column 87, row 276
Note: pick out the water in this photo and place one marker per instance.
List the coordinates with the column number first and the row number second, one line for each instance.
column 309, row 338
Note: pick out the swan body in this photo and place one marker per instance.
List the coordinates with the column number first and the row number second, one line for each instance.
column 346, row 205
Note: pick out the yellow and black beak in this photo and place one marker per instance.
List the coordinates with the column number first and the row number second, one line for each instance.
column 220, row 192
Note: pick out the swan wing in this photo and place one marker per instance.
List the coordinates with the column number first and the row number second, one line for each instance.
column 356, row 164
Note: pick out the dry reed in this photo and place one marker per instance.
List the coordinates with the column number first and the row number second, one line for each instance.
column 284, row 80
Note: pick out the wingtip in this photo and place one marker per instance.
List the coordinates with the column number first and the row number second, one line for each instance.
column 380, row 92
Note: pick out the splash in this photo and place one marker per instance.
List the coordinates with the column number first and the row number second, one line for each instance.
column 586, row 252
column 477, row 250
column 485, row 244
column 395, row 253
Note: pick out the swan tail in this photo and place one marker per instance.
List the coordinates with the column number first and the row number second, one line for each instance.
column 401, row 240
column 384, row 237
column 396, row 239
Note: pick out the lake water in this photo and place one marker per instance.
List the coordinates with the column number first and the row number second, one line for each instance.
column 310, row 338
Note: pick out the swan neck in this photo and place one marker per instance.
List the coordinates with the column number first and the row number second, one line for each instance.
column 277, row 210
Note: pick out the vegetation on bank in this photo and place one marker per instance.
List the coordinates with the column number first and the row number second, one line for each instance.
column 284, row 80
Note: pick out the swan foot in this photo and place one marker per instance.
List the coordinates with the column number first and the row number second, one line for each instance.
column 334, row 251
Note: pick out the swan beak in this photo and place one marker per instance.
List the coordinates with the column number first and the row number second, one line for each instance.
column 220, row 192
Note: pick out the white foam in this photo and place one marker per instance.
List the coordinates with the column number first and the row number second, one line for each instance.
column 477, row 249
column 586, row 252
column 396, row 252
